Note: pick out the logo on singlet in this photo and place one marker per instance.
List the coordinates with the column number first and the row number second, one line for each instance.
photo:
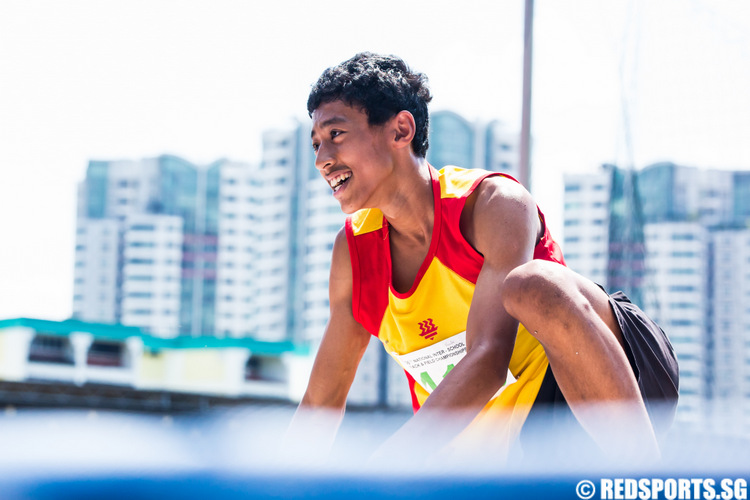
column 429, row 330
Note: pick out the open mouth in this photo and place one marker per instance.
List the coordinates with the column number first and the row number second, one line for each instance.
column 339, row 181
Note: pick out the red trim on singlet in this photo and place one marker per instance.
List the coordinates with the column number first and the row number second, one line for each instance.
column 415, row 406
column 354, row 259
column 547, row 248
column 456, row 253
column 436, row 230
column 369, row 276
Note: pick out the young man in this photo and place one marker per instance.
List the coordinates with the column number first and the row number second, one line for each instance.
column 458, row 265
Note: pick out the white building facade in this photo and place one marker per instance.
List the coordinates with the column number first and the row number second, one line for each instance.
column 586, row 224
column 676, row 299
column 730, row 323
column 151, row 272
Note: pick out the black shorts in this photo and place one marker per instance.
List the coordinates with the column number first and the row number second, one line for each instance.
column 653, row 362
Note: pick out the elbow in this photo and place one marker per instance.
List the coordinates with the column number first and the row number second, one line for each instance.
column 495, row 361
column 500, row 377
column 324, row 401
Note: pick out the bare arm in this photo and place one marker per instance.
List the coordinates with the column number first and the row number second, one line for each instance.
column 501, row 221
column 343, row 345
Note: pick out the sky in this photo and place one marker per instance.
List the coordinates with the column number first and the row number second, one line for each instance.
column 617, row 81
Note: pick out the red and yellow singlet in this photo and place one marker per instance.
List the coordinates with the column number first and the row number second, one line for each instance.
column 424, row 329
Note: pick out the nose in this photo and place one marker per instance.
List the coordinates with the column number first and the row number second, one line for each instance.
column 323, row 158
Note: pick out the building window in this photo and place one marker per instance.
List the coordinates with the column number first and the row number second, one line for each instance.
column 682, row 271
column 140, row 261
column 684, row 254
column 142, row 227
column 265, row 368
column 140, row 312
column 140, row 278
column 683, row 237
column 681, row 288
column 51, row 349
column 682, row 305
column 683, row 322
column 105, row 354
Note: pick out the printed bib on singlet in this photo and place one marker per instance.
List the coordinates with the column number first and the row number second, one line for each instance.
column 429, row 365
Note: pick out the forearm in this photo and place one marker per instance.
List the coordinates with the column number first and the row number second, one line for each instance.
column 313, row 429
column 470, row 384
column 451, row 407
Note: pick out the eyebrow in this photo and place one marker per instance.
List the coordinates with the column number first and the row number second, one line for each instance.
column 331, row 121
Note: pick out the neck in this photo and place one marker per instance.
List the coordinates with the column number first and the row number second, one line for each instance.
column 409, row 206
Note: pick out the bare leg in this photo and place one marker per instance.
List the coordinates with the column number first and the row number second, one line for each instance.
column 572, row 319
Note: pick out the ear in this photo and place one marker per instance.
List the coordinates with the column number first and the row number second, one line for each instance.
column 403, row 129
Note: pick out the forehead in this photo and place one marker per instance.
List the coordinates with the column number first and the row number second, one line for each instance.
column 330, row 113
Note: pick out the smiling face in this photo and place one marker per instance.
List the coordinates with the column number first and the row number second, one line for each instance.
column 353, row 156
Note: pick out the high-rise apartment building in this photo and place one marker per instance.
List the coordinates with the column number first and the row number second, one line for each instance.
column 694, row 282
column 147, row 224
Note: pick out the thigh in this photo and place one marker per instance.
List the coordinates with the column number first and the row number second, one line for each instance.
column 599, row 300
column 542, row 294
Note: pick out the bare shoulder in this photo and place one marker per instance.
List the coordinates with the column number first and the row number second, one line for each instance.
column 499, row 212
column 340, row 247
column 340, row 282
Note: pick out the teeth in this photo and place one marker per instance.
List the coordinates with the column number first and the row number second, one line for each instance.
column 338, row 180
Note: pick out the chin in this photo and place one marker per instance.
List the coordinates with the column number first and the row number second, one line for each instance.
column 349, row 208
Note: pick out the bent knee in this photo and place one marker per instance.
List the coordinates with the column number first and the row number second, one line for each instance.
column 534, row 286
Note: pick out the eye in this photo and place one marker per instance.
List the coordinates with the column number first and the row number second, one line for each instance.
column 335, row 133
column 315, row 147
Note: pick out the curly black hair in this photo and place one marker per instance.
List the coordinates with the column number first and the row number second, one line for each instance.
column 382, row 86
